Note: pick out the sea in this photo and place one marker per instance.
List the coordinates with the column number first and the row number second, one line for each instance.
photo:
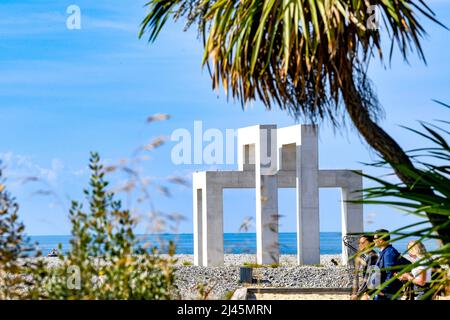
column 234, row 243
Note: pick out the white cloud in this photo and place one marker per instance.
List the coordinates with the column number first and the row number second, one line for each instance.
column 18, row 167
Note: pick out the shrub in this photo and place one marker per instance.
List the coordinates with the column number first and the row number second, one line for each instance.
column 105, row 260
column 14, row 247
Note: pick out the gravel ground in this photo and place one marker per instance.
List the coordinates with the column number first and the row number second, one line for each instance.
column 268, row 296
column 240, row 259
column 221, row 280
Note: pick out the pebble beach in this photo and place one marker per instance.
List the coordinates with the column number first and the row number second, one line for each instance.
column 221, row 281
column 225, row 279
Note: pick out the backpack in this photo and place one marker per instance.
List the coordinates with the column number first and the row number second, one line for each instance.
column 374, row 272
column 374, row 277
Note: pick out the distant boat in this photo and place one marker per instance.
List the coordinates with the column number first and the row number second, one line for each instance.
column 53, row 253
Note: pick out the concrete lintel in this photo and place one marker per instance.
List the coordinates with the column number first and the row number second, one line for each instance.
column 339, row 178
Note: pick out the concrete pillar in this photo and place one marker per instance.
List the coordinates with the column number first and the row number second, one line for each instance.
column 198, row 243
column 266, row 187
column 212, row 224
column 352, row 214
column 198, row 191
column 308, row 224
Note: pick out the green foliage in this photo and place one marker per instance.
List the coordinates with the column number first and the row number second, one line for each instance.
column 105, row 261
column 252, row 265
column 294, row 54
column 256, row 265
column 187, row 263
column 14, row 247
column 318, row 265
column 433, row 173
column 228, row 295
column 204, row 290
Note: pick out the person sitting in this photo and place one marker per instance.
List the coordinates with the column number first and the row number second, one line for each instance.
column 420, row 276
column 53, row 253
column 366, row 258
column 389, row 258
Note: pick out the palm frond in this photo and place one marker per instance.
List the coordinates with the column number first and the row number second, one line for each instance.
column 293, row 53
column 414, row 201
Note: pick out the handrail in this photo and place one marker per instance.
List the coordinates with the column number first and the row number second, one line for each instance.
column 347, row 240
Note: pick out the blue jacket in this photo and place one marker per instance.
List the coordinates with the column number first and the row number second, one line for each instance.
column 388, row 258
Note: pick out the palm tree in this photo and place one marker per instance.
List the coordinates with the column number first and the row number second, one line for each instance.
column 309, row 57
column 433, row 165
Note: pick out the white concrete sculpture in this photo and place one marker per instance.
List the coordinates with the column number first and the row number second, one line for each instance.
column 268, row 159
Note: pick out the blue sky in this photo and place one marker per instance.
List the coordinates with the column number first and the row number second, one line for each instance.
column 65, row 92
